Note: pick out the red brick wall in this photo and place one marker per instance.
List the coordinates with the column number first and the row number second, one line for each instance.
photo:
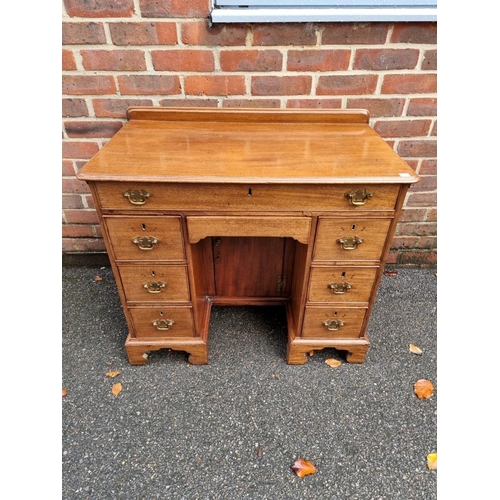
column 163, row 53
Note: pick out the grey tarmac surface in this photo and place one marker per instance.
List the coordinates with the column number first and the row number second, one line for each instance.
column 233, row 428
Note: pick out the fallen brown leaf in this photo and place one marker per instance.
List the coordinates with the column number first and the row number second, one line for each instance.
column 116, row 389
column 415, row 350
column 432, row 461
column 423, row 388
column 334, row 363
column 391, row 273
column 113, row 373
column 303, row 467
column 64, row 393
column 97, row 278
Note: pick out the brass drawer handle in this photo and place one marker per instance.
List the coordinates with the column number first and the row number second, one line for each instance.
column 145, row 242
column 154, row 286
column 358, row 196
column 137, row 196
column 163, row 324
column 339, row 288
column 350, row 242
column 333, row 324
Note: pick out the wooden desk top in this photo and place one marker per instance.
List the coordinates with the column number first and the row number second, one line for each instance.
column 264, row 146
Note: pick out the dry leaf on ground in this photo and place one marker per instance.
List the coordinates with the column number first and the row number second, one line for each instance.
column 116, row 389
column 391, row 273
column 334, row 363
column 415, row 350
column 113, row 373
column 64, row 393
column 432, row 461
column 423, row 388
column 97, row 278
column 303, row 467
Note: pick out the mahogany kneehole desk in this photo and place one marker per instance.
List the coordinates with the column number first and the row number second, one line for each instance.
column 202, row 206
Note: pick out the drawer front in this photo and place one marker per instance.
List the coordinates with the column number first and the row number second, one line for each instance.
column 341, row 284
column 154, row 283
column 341, row 323
column 145, row 238
column 163, row 322
column 350, row 238
column 149, row 196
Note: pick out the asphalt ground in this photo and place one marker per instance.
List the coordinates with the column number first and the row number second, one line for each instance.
column 233, row 428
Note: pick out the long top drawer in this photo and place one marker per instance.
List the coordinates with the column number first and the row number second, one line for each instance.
column 242, row 197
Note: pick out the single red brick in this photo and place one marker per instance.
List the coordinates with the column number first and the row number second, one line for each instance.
column 113, row 60
column 74, row 149
column 422, row 200
column 183, row 60
column 427, row 242
column 412, row 148
column 378, row 106
column 251, row 60
column 281, row 85
column 68, row 168
column 116, row 108
column 284, row 34
column 136, row 33
column 385, row 59
column 214, row 85
column 354, row 33
column 421, row 259
column 251, row 103
column 399, row 242
column 74, row 108
column 430, row 60
column 68, row 60
column 417, row 32
column 84, row 245
column 72, row 185
column 421, row 83
column 88, row 84
column 71, row 201
column 413, row 215
column 428, row 167
column 318, row 60
column 346, row 84
column 402, row 128
column 99, row 8
column 90, row 33
column 92, row 129
column 166, row 33
column 314, row 103
column 175, row 8
column 416, row 229
column 199, row 33
column 80, row 216
column 149, row 84
column 77, row 231
column 422, row 106
column 431, row 215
